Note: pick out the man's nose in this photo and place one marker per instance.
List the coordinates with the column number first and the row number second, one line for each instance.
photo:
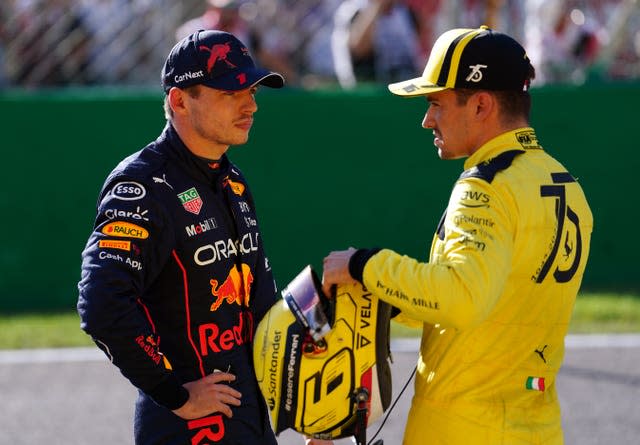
column 252, row 105
column 427, row 122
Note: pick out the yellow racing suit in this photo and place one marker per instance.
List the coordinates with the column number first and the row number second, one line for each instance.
column 495, row 298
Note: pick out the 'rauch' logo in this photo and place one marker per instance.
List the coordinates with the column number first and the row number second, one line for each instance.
column 125, row 229
column 190, row 200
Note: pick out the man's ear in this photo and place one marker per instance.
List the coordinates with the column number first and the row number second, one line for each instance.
column 485, row 105
column 176, row 100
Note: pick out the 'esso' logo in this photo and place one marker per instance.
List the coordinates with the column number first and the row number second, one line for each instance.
column 128, row 191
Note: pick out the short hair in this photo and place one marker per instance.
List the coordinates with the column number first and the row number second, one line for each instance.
column 193, row 91
column 513, row 104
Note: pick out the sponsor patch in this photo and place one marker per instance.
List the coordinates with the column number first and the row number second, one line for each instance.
column 115, row 244
column 128, row 191
column 134, row 264
column 235, row 288
column 190, row 200
column 528, row 139
column 162, row 180
column 223, row 249
column 125, row 229
column 201, row 227
column 127, row 214
column 474, row 199
column 236, row 187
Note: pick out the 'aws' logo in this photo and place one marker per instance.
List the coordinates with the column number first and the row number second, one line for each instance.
column 474, row 199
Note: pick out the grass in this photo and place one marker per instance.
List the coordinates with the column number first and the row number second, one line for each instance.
column 593, row 313
column 50, row 330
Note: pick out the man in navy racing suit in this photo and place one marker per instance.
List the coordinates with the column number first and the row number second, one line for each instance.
column 174, row 275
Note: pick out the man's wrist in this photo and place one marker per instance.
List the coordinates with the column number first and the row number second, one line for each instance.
column 170, row 393
column 358, row 260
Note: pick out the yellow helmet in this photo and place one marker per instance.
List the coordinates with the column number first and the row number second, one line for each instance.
column 323, row 364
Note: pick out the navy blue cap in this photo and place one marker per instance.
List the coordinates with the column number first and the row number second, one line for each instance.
column 216, row 59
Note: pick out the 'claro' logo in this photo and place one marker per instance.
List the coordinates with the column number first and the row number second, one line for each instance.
column 125, row 230
column 128, row 191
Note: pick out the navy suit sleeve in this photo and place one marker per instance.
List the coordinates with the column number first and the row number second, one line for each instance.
column 127, row 248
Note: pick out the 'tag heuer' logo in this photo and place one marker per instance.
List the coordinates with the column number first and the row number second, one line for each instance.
column 190, row 200
column 125, row 229
column 236, row 288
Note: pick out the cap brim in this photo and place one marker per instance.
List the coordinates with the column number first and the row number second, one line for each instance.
column 270, row 79
column 414, row 87
column 253, row 77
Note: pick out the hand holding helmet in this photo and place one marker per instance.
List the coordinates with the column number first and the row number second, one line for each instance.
column 322, row 364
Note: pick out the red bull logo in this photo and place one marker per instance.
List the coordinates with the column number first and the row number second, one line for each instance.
column 217, row 52
column 236, row 288
column 215, row 339
column 150, row 347
column 209, row 429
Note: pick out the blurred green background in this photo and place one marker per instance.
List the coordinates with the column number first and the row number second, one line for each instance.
column 329, row 169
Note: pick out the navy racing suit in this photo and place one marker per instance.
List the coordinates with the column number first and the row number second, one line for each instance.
column 174, row 282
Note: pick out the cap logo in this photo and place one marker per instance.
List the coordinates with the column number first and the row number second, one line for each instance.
column 475, row 75
column 188, row 76
column 217, row 52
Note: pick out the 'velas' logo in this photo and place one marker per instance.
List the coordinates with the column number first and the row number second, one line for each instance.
column 475, row 75
column 217, row 52
column 125, row 229
column 236, row 288
column 190, row 200
column 236, row 187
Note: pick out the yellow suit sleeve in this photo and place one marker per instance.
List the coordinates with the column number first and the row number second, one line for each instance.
column 469, row 264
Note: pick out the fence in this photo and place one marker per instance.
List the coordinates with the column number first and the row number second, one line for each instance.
column 50, row 43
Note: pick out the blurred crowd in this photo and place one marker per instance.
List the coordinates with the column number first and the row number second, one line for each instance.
column 314, row 43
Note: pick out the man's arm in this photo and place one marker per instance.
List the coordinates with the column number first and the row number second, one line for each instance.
column 465, row 276
column 127, row 246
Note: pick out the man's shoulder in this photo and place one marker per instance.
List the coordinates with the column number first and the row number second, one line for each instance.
column 141, row 165
column 488, row 169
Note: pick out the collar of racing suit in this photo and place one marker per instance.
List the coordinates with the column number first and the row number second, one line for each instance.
column 520, row 138
column 197, row 167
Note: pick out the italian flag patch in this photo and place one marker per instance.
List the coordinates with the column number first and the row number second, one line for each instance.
column 535, row 383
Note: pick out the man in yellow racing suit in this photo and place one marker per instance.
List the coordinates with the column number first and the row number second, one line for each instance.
column 506, row 262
